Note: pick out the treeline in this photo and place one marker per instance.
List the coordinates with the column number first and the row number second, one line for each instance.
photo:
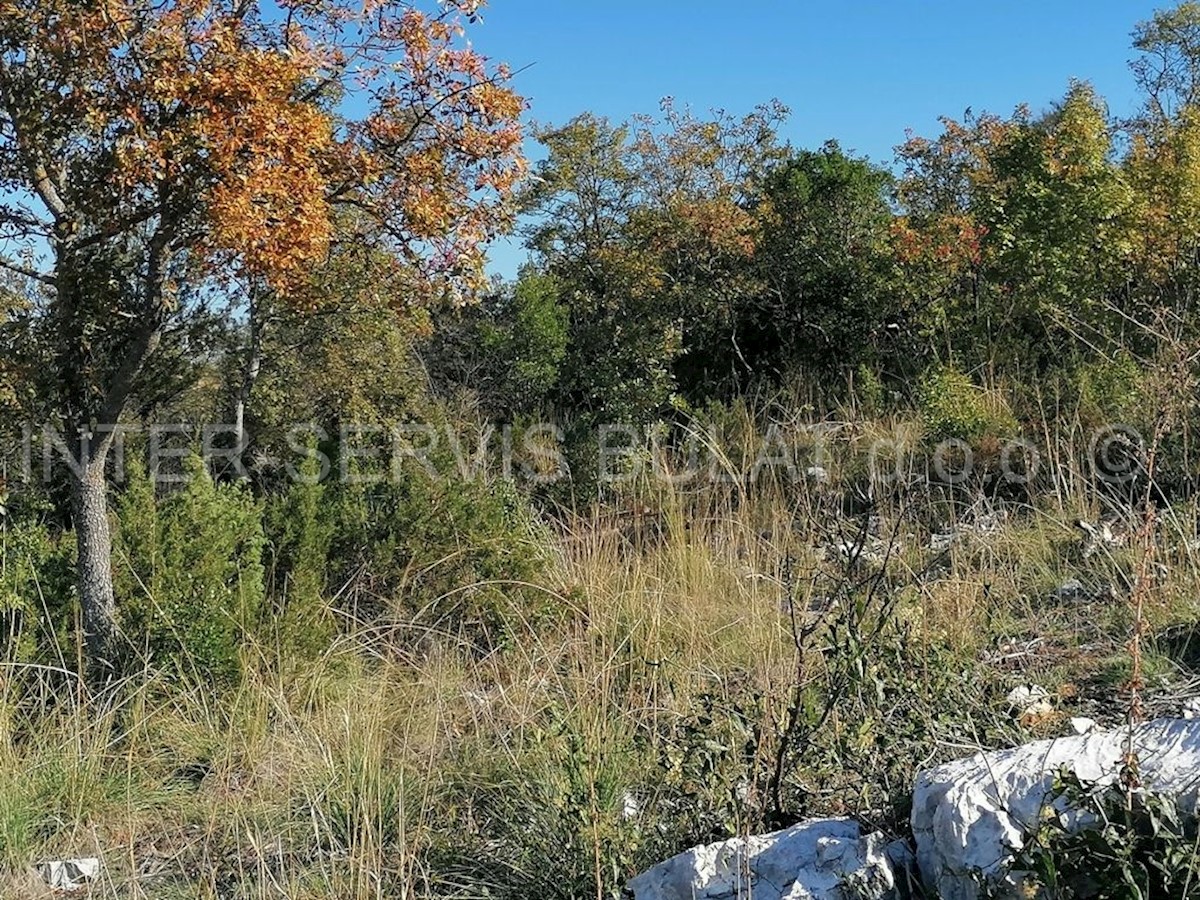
column 679, row 265
column 683, row 260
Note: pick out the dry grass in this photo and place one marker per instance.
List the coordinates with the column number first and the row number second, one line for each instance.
column 380, row 771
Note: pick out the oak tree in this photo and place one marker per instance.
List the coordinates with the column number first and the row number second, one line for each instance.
column 154, row 153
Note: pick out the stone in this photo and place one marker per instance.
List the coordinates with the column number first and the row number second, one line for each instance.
column 1030, row 703
column 970, row 816
column 941, row 541
column 870, row 551
column 70, row 875
column 1099, row 536
column 821, row 859
column 1070, row 590
column 1083, row 725
column 631, row 808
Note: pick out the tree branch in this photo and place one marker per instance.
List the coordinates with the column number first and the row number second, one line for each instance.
column 119, row 226
column 23, row 221
column 29, row 273
column 149, row 335
column 39, row 174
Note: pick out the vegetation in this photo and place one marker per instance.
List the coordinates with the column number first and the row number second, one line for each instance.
column 337, row 571
column 1141, row 849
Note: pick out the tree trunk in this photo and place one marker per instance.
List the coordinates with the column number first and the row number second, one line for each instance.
column 89, row 506
column 102, row 347
column 96, row 430
column 249, row 378
column 250, row 373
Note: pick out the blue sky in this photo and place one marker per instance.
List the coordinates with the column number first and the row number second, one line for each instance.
column 861, row 72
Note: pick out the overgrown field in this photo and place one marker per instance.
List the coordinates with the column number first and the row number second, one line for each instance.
column 571, row 696
column 333, row 567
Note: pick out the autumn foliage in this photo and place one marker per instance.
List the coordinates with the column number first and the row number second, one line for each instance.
column 248, row 124
column 177, row 157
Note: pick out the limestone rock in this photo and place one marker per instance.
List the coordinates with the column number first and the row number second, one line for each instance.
column 969, row 816
column 821, row 859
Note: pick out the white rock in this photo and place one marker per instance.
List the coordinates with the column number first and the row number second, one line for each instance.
column 1027, row 699
column 1191, row 708
column 990, row 523
column 969, row 816
column 630, row 807
column 869, row 551
column 822, row 859
column 1071, row 589
column 942, row 540
column 1083, row 725
column 1098, row 536
column 819, row 474
column 68, row 875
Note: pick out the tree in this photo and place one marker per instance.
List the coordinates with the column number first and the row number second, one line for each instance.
column 703, row 180
column 347, row 363
column 1057, row 239
column 1167, row 71
column 938, row 235
column 622, row 339
column 508, row 349
column 1019, row 229
column 1163, row 161
column 155, row 152
column 13, row 330
column 830, row 299
column 649, row 231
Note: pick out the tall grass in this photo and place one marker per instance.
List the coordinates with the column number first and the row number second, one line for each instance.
column 649, row 712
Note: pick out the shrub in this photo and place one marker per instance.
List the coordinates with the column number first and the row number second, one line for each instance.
column 189, row 572
column 1109, row 388
column 36, row 591
column 1111, row 844
column 869, row 391
column 527, row 342
column 458, row 555
column 952, row 406
column 301, row 525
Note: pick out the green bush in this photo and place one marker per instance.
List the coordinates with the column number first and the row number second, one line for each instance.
column 301, row 524
column 1109, row 388
column 507, row 350
column 455, row 555
column 189, row 572
column 1110, row 844
column 36, row 592
column 528, row 343
column 869, row 391
column 952, row 406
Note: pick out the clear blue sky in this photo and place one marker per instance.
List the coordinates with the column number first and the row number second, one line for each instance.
column 861, row 72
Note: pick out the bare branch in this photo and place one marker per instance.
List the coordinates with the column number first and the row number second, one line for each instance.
column 28, row 273
column 23, row 220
